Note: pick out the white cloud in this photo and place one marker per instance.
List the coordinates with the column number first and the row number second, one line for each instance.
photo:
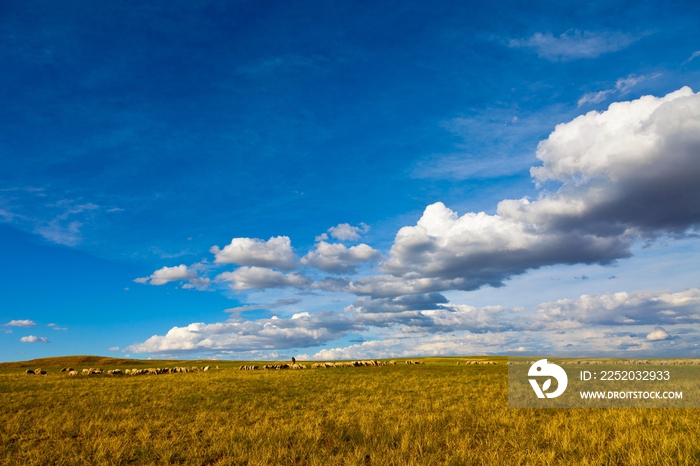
column 658, row 334
column 197, row 283
column 594, row 97
column 346, row 232
column 275, row 252
column 407, row 311
column 431, row 313
column 427, row 345
column 594, row 342
column 365, row 350
column 474, row 319
column 444, row 251
column 628, row 172
column 33, row 339
column 302, row 330
column 626, row 308
column 574, row 44
column 337, row 258
column 168, row 274
column 248, row 278
column 21, row 323
column 628, row 136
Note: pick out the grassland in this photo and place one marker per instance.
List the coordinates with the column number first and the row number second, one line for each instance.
column 432, row 414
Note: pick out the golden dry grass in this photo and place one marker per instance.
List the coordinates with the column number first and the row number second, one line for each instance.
column 433, row 414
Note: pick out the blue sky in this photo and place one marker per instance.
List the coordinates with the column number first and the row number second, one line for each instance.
column 349, row 179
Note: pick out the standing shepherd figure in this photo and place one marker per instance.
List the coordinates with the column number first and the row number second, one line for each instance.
column 294, row 361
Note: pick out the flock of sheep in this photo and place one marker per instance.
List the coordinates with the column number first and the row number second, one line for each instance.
column 476, row 362
column 174, row 370
column 149, row 371
column 323, row 365
column 167, row 370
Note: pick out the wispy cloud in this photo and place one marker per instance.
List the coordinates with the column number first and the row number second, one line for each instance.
column 467, row 166
column 496, row 142
column 63, row 230
column 622, row 87
column 253, row 307
column 574, row 44
column 56, row 327
column 59, row 222
column 692, row 57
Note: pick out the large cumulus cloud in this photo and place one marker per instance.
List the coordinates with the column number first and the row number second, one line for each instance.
column 629, row 172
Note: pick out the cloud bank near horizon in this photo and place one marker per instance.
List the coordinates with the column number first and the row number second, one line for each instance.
column 624, row 320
